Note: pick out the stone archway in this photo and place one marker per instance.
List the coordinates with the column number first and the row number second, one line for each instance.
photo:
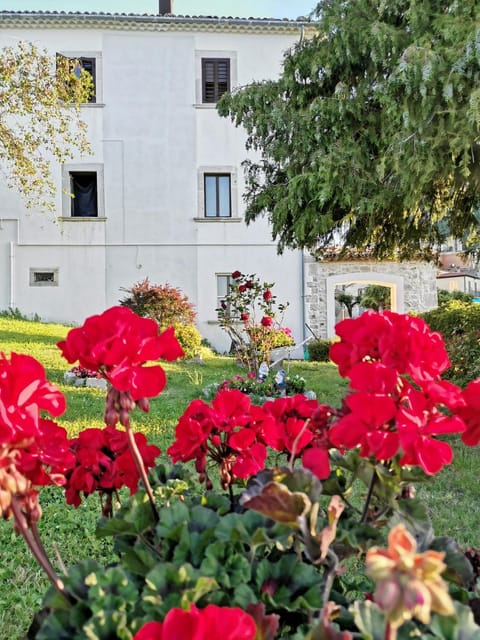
column 412, row 285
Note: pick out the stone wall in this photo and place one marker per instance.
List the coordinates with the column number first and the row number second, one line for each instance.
column 413, row 287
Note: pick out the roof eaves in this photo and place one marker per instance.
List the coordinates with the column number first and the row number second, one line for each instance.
column 63, row 18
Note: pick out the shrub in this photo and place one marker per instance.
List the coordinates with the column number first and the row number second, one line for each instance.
column 459, row 323
column 168, row 306
column 165, row 304
column 189, row 338
column 250, row 315
column 444, row 297
column 318, row 350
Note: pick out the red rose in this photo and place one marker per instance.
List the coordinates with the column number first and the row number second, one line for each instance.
column 267, row 295
column 266, row 321
column 118, row 343
column 236, row 275
column 244, row 317
column 242, row 288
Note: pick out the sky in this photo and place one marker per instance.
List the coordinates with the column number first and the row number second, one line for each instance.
column 235, row 8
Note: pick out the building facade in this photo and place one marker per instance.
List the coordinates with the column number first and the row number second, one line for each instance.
column 160, row 196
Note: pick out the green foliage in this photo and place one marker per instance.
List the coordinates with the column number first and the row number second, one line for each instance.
column 459, row 323
column 37, row 121
column 189, row 338
column 168, row 306
column 370, row 131
column 454, row 318
column 444, row 296
column 165, row 304
column 251, row 317
column 376, row 297
column 259, row 389
column 319, row 350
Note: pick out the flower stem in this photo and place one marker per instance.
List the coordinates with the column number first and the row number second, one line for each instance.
column 331, row 572
column 373, row 479
column 141, row 469
column 37, row 549
column 296, row 442
column 390, row 632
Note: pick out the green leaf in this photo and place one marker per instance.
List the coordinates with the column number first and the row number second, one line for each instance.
column 461, row 626
column 369, row 620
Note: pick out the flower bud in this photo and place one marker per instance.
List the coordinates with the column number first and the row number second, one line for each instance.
column 143, row 404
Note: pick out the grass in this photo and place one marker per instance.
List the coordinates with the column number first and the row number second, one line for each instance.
column 452, row 498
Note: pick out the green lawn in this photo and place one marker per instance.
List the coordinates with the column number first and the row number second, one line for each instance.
column 68, row 533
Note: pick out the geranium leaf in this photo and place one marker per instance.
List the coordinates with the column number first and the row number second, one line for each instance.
column 277, row 502
column 369, row 620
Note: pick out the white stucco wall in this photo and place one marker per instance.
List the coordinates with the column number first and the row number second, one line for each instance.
column 150, row 136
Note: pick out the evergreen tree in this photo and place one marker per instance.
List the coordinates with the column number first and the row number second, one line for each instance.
column 371, row 134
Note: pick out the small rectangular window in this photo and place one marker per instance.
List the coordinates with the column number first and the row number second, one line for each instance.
column 43, row 277
column 89, row 65
column 215, row 78
column 76, row 65
column 83, row 187
column 223, row 287
column 218, row 201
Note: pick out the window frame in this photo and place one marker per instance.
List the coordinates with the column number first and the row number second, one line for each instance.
column 221, row 170
column 96, row 58
column 217, row 92
column 43, row 270
column 219, row 298
column 67, row 171
column 218, row 204
column 73, row 175
column 210, row 54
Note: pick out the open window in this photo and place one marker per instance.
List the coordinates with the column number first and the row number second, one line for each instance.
column 89, row 63
column 84, row 190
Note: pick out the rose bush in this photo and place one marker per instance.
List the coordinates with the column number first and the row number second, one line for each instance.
column 270, row 559
column 251, row 317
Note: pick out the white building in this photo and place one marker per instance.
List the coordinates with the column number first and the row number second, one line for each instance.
column 161, row 194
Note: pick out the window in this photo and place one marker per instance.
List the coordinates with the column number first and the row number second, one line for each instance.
column 89, row 65
column 215, row 78
column 218, row 201
column 91, row 62
column 43, row 277
column 83, row 187
column 83, row 191
column 223, row 286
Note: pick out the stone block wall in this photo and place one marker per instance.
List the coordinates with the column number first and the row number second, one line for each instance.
column 413, row 286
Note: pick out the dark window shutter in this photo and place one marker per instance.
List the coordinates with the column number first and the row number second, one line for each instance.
column 215, row 78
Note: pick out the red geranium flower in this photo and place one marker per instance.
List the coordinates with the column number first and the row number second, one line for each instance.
column 103, row 462
column 398, row 341
column 33, row 450
column 211, row 623
column 244, row 317
column 266, row 321
column 229, row 432
column 470, row 413
column 118, row 343
column 267, row 295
